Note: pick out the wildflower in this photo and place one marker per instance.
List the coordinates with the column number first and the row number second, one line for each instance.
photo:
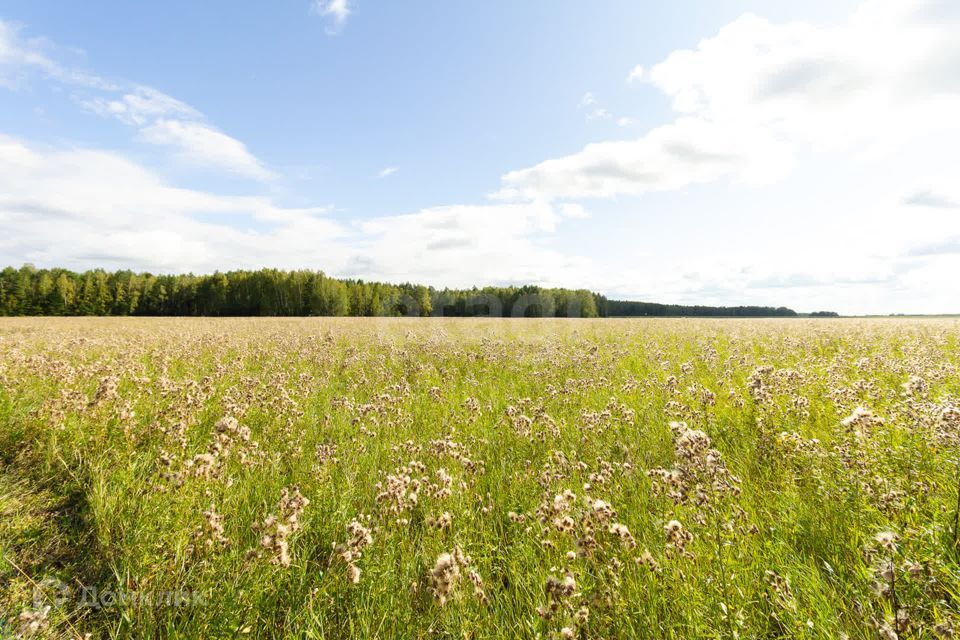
column 401, row 491
column 780, row 587
column 352, row 550
column 861, row 421
column 277, row 530
column 887, row 632
column 601, row 510
column 326, row 454
column 214, row 526
column 33, row 621
column 442, row 522
column 564, row 524
column 446, row 573
column 646, row 559
column 353, row 574
column 106, row 390
column 561, row 588
column 477, row 582
column 887, row 540
column 677, row 536
column 558, row 592
column 621, row 531
column 915, row 385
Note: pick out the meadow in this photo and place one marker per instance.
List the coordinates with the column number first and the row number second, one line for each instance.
column 479, row 478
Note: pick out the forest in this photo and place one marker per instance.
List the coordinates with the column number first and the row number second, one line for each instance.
column 271, row 292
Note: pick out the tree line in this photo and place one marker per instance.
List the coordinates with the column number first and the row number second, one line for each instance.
column 631, row 308
column 272, row 292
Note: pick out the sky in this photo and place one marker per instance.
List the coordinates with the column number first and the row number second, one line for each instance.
column 697, row 151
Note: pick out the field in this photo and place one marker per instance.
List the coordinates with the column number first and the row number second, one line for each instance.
column 407, row 478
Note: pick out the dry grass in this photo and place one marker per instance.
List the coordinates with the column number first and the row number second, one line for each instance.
column 395, row 478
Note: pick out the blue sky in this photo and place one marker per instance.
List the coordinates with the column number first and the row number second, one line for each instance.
column 693, row 151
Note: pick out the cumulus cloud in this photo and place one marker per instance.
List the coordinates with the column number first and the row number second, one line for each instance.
column 949, row 246
column 387, row 171
column 938, row 194
column 573, row 210
column 750, row 97
column 827, row 87
column 687, row 151
column 466, row 245
column 762, row 103
column 927, row 198
column 87, row 207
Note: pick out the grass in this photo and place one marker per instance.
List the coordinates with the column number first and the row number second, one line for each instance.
column 116, row 446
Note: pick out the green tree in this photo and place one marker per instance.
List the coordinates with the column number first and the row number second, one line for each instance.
column 64, row 292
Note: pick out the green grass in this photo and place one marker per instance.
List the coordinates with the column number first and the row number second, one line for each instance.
column 517, row 412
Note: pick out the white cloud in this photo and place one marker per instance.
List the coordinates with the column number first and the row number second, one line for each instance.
column 826, row 87
column 15, row 53
column 91, row 183
column 599, row 114
column 941, row 192
column 635, row 74
column 685, row 152
column 159, row 118
column 929, row 198
column 85, row 208
column 18, row 54
column 573, row 210
column 592, row 107
column 140, row 106
column 203, row 146
column 749, row 98
column 166, row 121
column 336, row 10
column 468, row 245
column 82, row 207
column 872, row 101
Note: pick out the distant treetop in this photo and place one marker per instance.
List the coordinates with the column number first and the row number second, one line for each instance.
column 271, row 292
